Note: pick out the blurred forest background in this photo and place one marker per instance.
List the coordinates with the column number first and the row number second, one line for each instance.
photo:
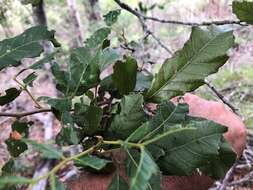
column 75, row 20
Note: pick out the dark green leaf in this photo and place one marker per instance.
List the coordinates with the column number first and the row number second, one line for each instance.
column 140, row 169
column 112, row 17
column 118, row 183
column 14, row 180
column 21, row 127
column 130, row 117
column 29, row 79
column 10, row 95
column 91, row 161
column 8, row 168
column 68, row 136
column 16, row 147
column 201, row 56
column 124, row 75
column 243, row 10
column 46, row 150
column 219, row 165
column 187, row 150
column 25, row 45
column 88, row 118
column 167, row 116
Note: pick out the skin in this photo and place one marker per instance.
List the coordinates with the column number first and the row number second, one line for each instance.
column 215, row 111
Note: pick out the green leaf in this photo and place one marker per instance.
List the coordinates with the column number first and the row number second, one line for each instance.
column 112, row 17
column 187, row 150
column 10, row 95
column 98, row 37
column 201, row 56
column 21, row 127
column 61, row 104
column 124, row 75
column 25, row 45
column 130, row 117
column 46, row 150
column 14, row 180
column 68, row 135
column 29, row 79
column 56, row 184
column 243, row 11
column 143, row 81
column 108, row 57
column 8, row 168
column 167, row 117
column 88, row 118
column 140, row 169
column 118, row 183
column 220, row 164
column 84, row 66
column 16, row 147
column 39, row 64
column 91, row 161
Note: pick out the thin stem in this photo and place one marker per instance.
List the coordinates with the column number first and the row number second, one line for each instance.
column 23, row 114
column 25, row 88
column 155, row 19
column 221, row 97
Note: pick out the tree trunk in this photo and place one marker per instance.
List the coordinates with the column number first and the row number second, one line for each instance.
column 76, row 23
column 39, row 17
column 92, row 10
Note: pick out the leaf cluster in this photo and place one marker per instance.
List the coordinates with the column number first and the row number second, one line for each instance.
column 106, row 113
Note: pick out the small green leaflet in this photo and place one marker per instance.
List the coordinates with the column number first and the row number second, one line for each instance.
column 10, row 95
column 118, row 183
column 91, row 161
column 124, row 75
column 140, row 170
column 130, row 117
column 25, row 45
column 21, row 127
column 243, row 11
column 16, row 147
column 46, row 150
column 29, row 79
column 112, row 17
column 203, row 54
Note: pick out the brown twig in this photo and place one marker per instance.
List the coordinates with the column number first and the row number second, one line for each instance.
column 143, row 24
column 221, row 97
column 144, row 17
column 23, row 114
column 24, row 87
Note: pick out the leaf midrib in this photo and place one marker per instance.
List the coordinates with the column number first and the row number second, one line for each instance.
column 192, row 141
column 15, row 49
column 186, row 65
